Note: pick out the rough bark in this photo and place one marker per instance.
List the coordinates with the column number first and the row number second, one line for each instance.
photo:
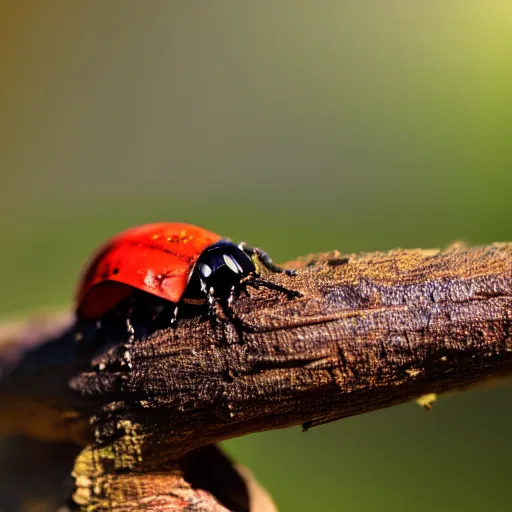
column 367, row 331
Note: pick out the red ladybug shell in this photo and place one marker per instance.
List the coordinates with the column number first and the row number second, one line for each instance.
column 156, row 258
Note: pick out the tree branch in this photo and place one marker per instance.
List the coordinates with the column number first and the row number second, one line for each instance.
column 367, row 332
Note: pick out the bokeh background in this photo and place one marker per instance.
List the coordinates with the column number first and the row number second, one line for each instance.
column 296, row 126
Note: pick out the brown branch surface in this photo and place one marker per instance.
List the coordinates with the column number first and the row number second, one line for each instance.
column 367, row 332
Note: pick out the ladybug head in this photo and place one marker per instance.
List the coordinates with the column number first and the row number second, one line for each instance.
column 220, row 267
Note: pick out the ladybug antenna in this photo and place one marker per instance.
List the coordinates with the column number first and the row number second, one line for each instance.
column 265, row 259
column 256, row 282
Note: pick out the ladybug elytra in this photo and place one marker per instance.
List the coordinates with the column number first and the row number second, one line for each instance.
column 174, row 261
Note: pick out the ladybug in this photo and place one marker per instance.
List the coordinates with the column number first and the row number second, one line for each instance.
column 178, row 262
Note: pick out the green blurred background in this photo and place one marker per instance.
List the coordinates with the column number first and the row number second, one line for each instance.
column 296, row 126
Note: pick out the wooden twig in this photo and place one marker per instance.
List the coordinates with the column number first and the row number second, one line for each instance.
column 367, row 332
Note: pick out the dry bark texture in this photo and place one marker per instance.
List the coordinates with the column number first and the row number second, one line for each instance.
column 367, row 331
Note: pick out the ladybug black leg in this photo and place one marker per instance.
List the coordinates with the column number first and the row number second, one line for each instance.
column 129, row 328
column 231, row 298
column 215, row 308
column 174, row 319
column 211, row 302
column 156, row 311
column 265, row 259
column 222, row 309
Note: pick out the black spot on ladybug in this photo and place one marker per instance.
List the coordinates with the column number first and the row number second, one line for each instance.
column 115, row 271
